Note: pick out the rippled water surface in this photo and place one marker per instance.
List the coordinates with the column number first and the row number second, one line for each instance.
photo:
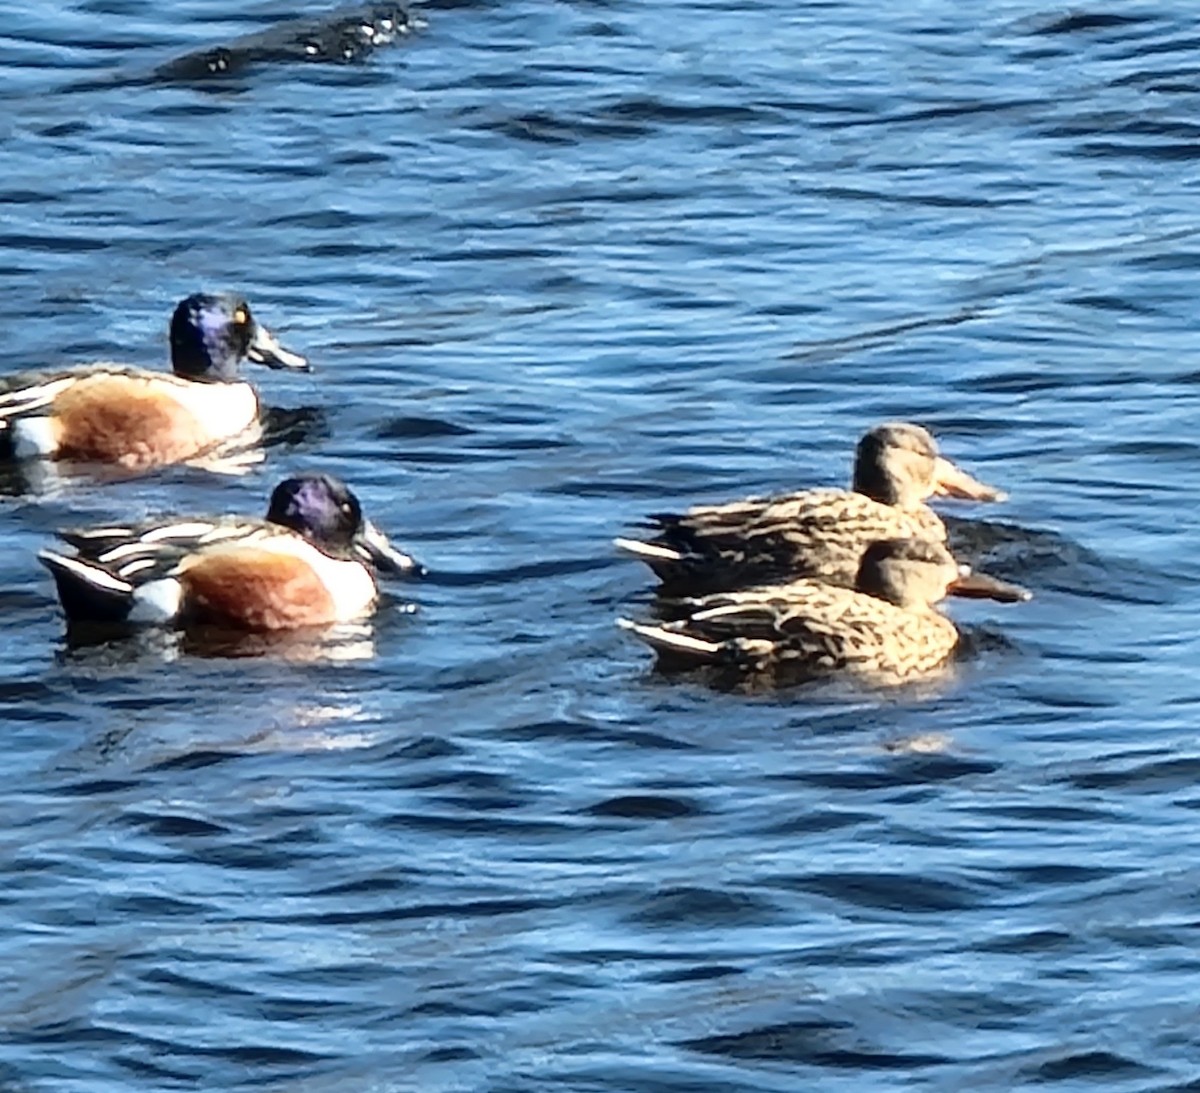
column 559, row 265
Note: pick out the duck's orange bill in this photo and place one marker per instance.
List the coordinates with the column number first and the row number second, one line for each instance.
column 952, row 481
column 979, row 586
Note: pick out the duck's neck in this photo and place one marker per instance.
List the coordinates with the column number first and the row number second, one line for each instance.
column 880, row 484
column 204, row 352
column 203, row 368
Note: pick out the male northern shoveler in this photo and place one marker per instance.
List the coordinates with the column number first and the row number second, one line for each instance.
column 819, row 533
column 887, row 627
column 309, row 563
column 113, row 413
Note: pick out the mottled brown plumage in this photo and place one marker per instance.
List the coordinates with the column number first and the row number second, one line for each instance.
column 886, row 628
column 819, row 534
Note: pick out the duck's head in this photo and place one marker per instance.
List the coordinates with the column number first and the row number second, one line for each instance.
column 898, row 464
column 916, row 573
column 211, row 333
column 325, row 511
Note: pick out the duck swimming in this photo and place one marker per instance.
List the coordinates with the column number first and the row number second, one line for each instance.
column 887, row 627
column 116, row 414
column 816, row 533
column 310, row 562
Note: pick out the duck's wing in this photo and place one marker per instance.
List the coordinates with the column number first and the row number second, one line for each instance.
column 810, row 533
column 739, row 542
column 847, row 630
column 753, row 628
column 148, row 549
column 801, row 619
column 802, row 518
column 23, row 393
column 796, row 630
column 821, row 627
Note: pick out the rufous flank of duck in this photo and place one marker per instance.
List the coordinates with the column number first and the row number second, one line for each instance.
column 310, row 562
column 131, row 417
column 887, row 626
column 817, row 533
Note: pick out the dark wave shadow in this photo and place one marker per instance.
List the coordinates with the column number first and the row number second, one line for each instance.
column 557, row 567
column 15, row 480
column 342, row 37
column 1042, row 559
column 816, row 1042
column 801, row 682
column 294, row 427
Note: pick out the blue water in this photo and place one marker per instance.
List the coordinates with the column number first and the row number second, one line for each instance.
column 558, row 265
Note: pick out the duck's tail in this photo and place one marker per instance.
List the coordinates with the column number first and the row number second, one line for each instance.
column 648, row 552
column 670, row 642
column 668, row 563
column 87, row 591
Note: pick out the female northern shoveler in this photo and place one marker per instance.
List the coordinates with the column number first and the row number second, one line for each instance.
column 309, row 563
column 113, row 413
column 887, row 627
column 813, row 533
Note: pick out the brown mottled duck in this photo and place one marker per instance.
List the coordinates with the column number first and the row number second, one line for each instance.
column 888, row 627
column 818, row 533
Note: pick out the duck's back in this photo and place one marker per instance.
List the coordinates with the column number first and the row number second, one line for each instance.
column 114, row 413
column 808, row 626
column 243, row 572
column 130, row 549
column 818, row 534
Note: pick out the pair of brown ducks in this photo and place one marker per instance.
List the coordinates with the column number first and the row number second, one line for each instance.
column 821, row 580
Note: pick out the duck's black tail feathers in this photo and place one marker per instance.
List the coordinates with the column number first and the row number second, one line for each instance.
column 88, row 592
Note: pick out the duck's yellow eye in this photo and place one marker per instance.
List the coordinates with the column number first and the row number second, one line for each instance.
column 241, row 316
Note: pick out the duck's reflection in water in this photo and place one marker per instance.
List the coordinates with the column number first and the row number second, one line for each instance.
column 104, row 645
column 235, row 457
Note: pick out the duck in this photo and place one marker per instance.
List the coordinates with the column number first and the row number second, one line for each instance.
column 814, row 533
column 311, row 561
column 887, row 627
column 111, row 413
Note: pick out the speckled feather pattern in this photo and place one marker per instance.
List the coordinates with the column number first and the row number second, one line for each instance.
column 807, row 625
column 819, row 534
